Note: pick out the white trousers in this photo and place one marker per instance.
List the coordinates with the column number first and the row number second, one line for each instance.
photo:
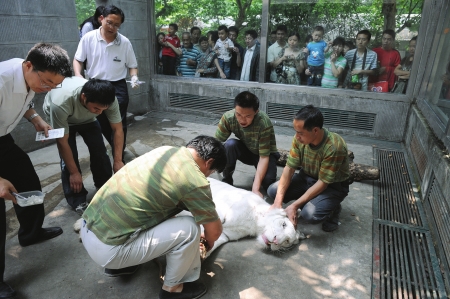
column 178, row 238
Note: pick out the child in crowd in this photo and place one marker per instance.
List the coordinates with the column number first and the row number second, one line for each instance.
column 316, row 57
column 170, row 50
column 334, row 64
column 223, row 49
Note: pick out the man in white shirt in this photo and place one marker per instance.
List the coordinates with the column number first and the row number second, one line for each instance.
column 250, row 66
column 44, row 68
column 275, row 49
column 109, row 57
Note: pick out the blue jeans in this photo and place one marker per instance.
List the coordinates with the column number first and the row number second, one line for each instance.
column 320, row 207
column 236, row 150
column 99, row 161
column 225, row 66
column 315, row 79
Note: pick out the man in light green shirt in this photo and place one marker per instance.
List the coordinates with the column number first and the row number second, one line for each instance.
column 74, row 107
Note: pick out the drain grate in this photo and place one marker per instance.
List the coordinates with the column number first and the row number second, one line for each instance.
column 396, row 198
column 332, row 117
column 405, row 264
column 201, row 103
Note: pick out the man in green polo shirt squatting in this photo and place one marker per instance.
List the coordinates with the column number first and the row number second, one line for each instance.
column 75, row 107
column 256, row 144
column 130, row 220
column 322, row 181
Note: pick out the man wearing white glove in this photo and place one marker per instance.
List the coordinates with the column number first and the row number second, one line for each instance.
column 109, row 56
column 134, row 82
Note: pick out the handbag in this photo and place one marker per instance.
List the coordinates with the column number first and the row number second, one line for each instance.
column 399, row 87
column 380, row 86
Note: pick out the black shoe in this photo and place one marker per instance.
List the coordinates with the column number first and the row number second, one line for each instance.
column 119, row 272
column 191, row 290
column 332, row 223
column 45, row 234
column 6, row 291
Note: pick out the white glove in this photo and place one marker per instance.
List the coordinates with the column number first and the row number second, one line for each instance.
column 134, row 81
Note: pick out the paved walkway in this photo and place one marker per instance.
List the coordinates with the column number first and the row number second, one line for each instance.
column 325, row 265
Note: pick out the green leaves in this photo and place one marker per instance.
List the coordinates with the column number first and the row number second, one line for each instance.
column 85, row 9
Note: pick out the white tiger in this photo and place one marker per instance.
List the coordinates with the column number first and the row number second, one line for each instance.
column 245, row 214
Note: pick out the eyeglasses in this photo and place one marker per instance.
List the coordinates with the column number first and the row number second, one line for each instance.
column 111, row 25
column 48, row 85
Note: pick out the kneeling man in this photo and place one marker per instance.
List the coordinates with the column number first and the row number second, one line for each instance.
column 130, row 219
column 322, row 182
column 256, row 144
column 75, row 107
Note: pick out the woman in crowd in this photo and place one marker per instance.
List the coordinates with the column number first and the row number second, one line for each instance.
column 290, row 62
column 349, row 45
column 159, row 45
column 208, row 66
column 334, row 64
column 91, row 23
column 403, row 70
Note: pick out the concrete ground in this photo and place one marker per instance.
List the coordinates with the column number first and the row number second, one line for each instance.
column 325, row 265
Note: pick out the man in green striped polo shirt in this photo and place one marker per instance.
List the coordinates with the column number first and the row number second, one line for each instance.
column 322, row 181
column 130, row 220
column 256, row 144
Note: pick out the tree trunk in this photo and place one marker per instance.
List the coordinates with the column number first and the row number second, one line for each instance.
column 389, row 10
column 242, row 5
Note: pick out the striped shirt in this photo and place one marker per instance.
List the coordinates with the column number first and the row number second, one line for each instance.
column 146, row 192
column 259, row 137
column 371, row 64
column 182, row 67
column 328, row 80
column 327, row 162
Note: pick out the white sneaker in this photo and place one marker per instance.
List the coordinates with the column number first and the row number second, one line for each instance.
column 81, row 208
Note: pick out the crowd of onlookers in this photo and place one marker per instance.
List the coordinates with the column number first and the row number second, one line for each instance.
column 338, row 63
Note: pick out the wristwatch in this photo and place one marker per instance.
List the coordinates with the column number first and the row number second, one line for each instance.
column 32, row 116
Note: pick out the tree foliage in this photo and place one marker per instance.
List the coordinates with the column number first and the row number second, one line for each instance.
column 339, row 18
column 85, row 9
column 208, row 14
column 344, row 18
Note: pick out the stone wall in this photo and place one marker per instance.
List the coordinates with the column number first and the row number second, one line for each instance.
column 27, row 22
column 390, row 111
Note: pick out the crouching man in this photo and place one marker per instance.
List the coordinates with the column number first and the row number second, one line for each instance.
column 256, row 144
column 322, row 182
column 75, row 107
column 130, row 219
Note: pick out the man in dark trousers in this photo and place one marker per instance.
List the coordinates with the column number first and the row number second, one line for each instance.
column 44, row 68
